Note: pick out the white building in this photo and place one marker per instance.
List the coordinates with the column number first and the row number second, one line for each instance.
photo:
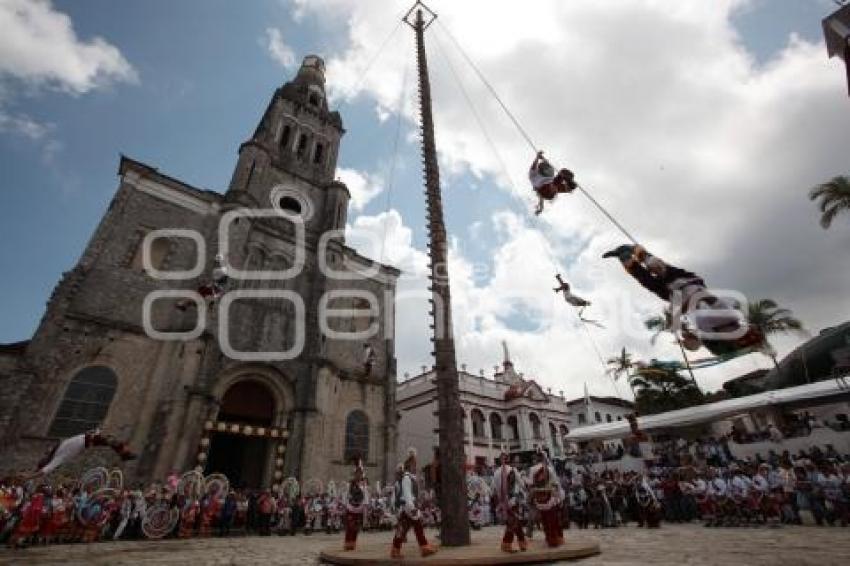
column 590, row 410
column 506, row 413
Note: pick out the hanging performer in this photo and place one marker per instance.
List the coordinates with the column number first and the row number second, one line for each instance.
column 406, row 491
column 564, row 287
column 369, row 358
column 72, row 447
column 212, row 290
column 355, row 507
column 687, row 292
column 548, row 184
column 574, row 300
column 546, row 496
column 507, row 489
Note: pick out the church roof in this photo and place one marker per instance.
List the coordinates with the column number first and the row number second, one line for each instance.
column 128, row 163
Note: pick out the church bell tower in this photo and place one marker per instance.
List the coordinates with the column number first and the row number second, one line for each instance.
column 290, row 160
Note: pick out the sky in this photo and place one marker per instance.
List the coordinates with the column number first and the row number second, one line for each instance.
column 699, row 125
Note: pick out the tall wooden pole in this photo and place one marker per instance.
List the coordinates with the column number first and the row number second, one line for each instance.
column 454, row 530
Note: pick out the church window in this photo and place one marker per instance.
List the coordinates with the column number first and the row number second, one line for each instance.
column 597, row 416
column 85, row 403
column 582, row 419
column 607, row 418
column 356, row 436
column 302, row 146
column 314, row 99
column 290, row 204
column 319, row 154
column 284, row 136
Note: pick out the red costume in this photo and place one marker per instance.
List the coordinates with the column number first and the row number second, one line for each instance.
column 355, row 507
column 508, row 492
column 545, row 494
column 409, row 515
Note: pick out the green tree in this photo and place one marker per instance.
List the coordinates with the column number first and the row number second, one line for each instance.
column 769, row 318
column 621, row 365
column 659, row 390
column 833, row 197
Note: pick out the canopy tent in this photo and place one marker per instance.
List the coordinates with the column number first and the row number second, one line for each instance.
column 713, row 411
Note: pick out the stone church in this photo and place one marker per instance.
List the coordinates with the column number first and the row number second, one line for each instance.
column 265, row 382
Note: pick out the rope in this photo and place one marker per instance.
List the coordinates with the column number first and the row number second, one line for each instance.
column 391, row 173
column 374, row 58
column 522, row 131
column 489, row 87
column 478, row 120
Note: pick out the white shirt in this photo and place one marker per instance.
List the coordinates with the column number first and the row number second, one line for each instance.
column 67, row 450
column 538, row 180
column 717, row 487
column 739, row 486
column 760, row 483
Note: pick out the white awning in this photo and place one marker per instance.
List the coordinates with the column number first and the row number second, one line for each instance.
column 712, row 411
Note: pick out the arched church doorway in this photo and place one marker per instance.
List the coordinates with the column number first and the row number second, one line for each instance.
column 241, row 442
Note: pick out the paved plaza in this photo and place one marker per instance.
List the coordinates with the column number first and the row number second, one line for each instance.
column 679, row 545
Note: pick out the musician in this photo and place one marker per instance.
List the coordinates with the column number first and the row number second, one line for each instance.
column 406, row 492
column 355, row 507
column 507, row 491
column 546, row 496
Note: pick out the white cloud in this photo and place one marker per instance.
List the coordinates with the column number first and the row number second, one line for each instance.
column 362, row 186
column 23, row 125
column 278, row 50
column 39, row 46
column 662, row 113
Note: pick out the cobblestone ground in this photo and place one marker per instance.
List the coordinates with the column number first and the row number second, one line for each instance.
column 669, row 545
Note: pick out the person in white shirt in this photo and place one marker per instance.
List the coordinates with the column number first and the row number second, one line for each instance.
column 69, row 448
column 507, row 491
column 406, row 490
column 546, row 183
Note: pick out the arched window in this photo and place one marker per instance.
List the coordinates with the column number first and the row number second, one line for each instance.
column 607, row 418
column 495, row 426
column 582, row 419
column 285, row 134
column 477, row 424
column 553, row 434
column 318, row 154
column 536, row 431
column 301, row 147
column 514, row 426
column 597, row 416
column 85, row 403
column 356, row 436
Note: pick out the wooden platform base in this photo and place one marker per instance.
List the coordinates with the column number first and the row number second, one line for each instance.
column 477, row 553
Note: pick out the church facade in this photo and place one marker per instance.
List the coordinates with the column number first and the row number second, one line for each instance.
column 267, row 381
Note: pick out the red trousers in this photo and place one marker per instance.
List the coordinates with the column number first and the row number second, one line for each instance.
column 512, row 527
column 404, row 524
column 552, row 527
column 352, row 525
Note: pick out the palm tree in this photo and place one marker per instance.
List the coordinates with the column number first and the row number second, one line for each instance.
column 621, row 365
column 664, row 323
column 659, row 323
column 766, row 315
column 834, row 198
column 660, row 390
